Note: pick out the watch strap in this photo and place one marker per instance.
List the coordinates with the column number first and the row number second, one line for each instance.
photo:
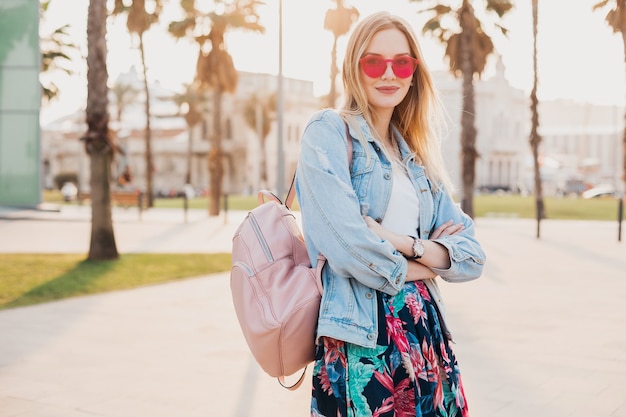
column 413, row 255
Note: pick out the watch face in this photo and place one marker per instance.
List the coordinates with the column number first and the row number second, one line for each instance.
column 418, row 249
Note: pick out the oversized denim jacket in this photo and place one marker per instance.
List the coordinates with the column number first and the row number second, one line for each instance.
column 332, row 199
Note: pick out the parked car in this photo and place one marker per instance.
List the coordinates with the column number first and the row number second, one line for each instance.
column 602, row 190
column 189, row 191
column 69, row 191
column 494, row 189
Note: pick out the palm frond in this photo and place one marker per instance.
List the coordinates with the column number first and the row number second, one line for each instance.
column 339, row 20
column 180, row 29
column 600, row 5
column 44, row 5
column 503, row 30
column 432, row 25
column 500, row 7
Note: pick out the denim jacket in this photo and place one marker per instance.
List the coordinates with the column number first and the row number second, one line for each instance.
column 332, row 199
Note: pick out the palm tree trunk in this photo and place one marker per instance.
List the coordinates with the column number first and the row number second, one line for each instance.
column 97, row 141
column 148, row 132
column 468, row 129
column 189, row 153
column 102, row 243
column 260, row 120
column 535, row 138
column 216, row 170
column 623, row 196
column 332, row 94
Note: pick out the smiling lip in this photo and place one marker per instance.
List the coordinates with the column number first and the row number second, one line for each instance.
column 387, row 90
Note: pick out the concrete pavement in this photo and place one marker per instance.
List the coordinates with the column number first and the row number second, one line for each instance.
column 542, row 333
column 149, row 231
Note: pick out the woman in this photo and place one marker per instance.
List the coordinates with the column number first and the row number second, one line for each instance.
column 388, row 227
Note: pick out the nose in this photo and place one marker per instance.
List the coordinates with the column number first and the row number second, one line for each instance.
column 388, row 74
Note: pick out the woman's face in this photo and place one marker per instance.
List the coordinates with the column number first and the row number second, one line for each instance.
column 386, row 91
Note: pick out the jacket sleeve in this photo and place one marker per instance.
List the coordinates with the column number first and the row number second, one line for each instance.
column 467, row 257
column 331, row 216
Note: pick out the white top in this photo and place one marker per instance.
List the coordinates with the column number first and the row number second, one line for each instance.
column 402, row 214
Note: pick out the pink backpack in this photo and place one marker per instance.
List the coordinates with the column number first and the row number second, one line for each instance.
column 276, row 292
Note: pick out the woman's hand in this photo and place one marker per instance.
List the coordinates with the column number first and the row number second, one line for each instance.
column 435, row 255
column 447, row 229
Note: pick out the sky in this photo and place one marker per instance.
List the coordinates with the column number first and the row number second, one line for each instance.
column 579, row 57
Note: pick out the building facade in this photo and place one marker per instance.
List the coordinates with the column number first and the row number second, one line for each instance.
column 502, row 124
column 582, row 146
column 580, row 141
column 177, row 146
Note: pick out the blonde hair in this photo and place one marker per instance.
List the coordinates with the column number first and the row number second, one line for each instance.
column 419, row 117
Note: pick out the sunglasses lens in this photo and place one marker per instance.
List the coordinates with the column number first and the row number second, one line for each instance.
column 403, row 67
column 373, row 66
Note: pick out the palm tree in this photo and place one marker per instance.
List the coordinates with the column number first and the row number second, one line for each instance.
column 124, row 94
column 138, row 22
column 191, row 102
column 616, row 19
column 97, row 139
column 215, row 69
column 535, row 138
column 467, row 49
column 56, row 49
column 338, row 21
column 257, row 113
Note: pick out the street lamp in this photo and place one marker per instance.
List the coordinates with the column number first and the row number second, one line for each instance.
column 280, row 178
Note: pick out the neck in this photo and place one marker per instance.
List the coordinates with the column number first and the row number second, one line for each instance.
column 383, row 129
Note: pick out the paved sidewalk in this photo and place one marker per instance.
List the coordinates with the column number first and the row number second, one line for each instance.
column 149, row 231
column 542, row 333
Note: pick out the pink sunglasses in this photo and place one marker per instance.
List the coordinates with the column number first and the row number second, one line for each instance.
column 374, row 66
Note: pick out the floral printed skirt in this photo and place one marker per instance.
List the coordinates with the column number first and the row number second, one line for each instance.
column 411, row 372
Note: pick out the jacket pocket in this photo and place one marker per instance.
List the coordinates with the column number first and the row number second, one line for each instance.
column 361, row 173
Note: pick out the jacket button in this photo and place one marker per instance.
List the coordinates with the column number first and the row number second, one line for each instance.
column 371, row 336
column 387, row 176
column 369, row 295
column 398, row 279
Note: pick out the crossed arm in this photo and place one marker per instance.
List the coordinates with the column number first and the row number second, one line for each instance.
column 435, row 255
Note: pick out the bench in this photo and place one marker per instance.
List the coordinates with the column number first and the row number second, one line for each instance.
column 121, row 198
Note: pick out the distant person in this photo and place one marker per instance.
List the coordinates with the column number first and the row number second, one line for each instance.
column 126, row 177
column 388, row 228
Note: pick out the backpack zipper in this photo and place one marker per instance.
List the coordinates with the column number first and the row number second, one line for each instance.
column 245, row 267
column 259, row 235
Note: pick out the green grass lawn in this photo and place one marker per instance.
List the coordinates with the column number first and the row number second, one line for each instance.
column 555, row 208
column 233, row 202
column 484, row 205
column 27, row 279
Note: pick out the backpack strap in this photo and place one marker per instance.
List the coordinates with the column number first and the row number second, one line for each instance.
column 291, row 194
column 281, row 381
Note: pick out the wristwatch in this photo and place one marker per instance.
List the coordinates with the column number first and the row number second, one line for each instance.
column 418, row 249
